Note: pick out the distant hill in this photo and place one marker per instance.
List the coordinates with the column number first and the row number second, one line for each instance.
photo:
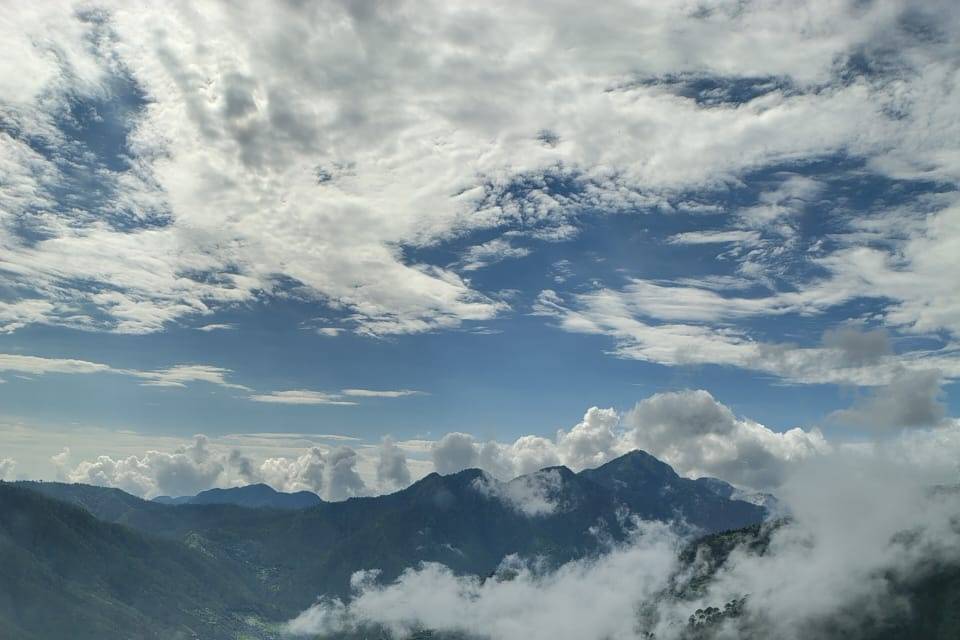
column 65, row 574
column 253, row 496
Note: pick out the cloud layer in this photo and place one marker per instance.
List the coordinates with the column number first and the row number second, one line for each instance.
column 235, row 171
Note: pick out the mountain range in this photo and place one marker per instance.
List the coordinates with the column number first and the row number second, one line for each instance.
column 82, row 561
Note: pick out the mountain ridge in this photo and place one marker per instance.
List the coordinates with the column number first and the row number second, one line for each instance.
column 465, row 520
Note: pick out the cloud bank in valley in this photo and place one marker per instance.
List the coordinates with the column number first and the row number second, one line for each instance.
column 862, row 526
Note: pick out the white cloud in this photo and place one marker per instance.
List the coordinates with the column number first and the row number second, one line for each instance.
column 454, row 452
column 180, row 375
column 7, row 468
column 671, row 325
column 216, row 327
column 331, row 474
column 690, row 430
column 592, row 442
column 189, row 469
column 382, row 393
column 585, row 599
column 714, row 237
column 306, row 396
column 35, row 365
column 497, row 250
column 255, row 169
column 392, row 469
column 176, row 376
column 699, row 436
column 534, row 494
column 301, row 396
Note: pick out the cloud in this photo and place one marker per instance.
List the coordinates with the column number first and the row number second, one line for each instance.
column 534, row 494
column 301, row 396
column 857, row 347
column 699, row 436
column 7, row 468
column 497, row 250
column 305, row 396
column 861, row 524
column 180, row 375
column 912, row 399
column 592, row 442
column 230, row 182
column 385, row 393
column 188, row 469
column 331, row 474
column 454, row 452
column 34, row 365
column 690, row 430
column 392, row 469
column 584, row 599
column 714, row 237
column 216, row 327
column 673, row 325
column 176, row 376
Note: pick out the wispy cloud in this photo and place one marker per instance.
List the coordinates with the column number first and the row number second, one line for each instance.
column 381, row 393
column 216, row 327
column 301, row 396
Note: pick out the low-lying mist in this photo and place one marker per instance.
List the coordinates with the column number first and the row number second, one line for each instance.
column 863, row 527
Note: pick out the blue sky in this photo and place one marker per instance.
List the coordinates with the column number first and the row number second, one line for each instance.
column 428, row 219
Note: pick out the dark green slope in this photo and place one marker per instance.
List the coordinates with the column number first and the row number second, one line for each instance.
column 65, row 574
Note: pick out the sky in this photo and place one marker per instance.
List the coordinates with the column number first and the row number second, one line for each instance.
column 338, row 245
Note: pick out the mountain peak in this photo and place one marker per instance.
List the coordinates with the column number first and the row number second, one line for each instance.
column 637, row 460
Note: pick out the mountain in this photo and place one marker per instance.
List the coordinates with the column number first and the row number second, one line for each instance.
column 253, row 496
column 65, row 574
column 467, row 521
column 212, row 571
column 652, row 490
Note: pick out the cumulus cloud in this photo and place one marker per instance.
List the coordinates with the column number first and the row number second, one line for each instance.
column 7, row 468
column 454, row 452
column 591, row 442
column 699, row 436
column 690, row 430
column 392, row 469
column 188, row 469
